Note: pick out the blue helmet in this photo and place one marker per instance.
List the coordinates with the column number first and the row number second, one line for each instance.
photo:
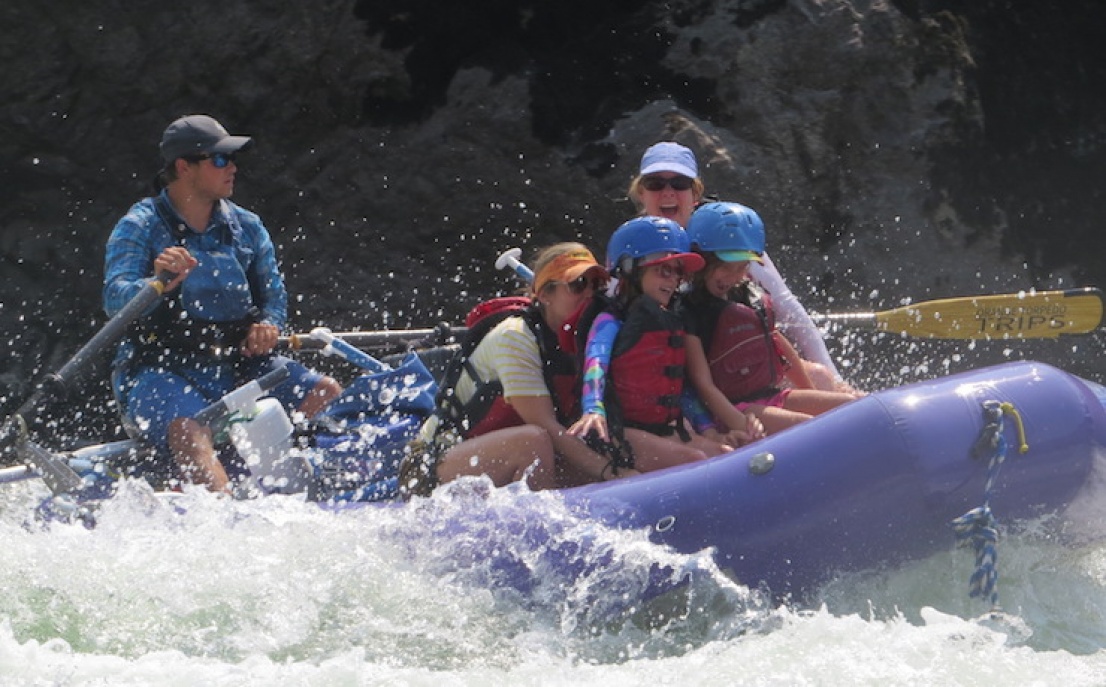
column 648, row 239
column 731, row 231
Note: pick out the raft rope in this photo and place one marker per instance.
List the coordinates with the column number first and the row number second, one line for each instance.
column 977, row 528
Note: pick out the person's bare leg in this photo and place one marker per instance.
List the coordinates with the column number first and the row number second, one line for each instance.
column 505, row 455
column 323, row 393
column 813, row 402
column 708, row 446
column 652, row 452
column 194, row 451
column 776, row 419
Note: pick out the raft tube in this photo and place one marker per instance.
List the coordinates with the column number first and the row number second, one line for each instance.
column 873, row 483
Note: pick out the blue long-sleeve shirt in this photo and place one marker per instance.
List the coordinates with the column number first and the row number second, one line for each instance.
column 142, row 234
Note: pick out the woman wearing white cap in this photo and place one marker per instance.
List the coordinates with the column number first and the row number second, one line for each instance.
column 668, row 185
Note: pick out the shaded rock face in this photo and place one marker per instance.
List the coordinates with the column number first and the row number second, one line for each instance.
column 896, row 150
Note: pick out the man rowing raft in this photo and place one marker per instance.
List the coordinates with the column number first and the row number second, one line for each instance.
column 225, row 307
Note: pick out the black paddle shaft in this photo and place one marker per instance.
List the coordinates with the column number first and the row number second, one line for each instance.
column 57, row 386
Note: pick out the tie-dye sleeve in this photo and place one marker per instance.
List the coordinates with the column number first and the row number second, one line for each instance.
column 597, row 360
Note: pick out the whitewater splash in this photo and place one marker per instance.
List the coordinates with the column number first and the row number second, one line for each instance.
column 203, row 589
column 280, row 576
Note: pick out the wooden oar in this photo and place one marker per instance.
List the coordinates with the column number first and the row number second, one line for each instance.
column 1025, row 315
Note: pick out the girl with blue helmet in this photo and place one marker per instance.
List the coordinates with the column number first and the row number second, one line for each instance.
column 634, row 355
column 668, row 185
column 737, row 359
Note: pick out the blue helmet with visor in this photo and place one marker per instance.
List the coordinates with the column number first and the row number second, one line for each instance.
column 646, row 241
column 731, row 231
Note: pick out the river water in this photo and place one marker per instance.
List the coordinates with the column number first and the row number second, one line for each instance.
column 203, row 590
column 280, row 592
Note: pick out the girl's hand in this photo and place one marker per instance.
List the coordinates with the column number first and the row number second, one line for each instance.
column 588, row 423
column 753, row 427
column 753, row 431
column 737, row 437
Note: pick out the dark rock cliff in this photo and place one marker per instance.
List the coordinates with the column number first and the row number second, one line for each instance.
column 897, row 150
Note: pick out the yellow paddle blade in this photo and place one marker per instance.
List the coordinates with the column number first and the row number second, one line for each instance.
column 1026, row 315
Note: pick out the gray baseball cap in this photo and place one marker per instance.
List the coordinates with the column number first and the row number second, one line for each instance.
column 199, row 135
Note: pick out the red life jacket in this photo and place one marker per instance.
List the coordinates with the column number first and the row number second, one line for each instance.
column 647, row 367
column 573, row 336
column 561, row 380
column 487, row 410
column 745, row 362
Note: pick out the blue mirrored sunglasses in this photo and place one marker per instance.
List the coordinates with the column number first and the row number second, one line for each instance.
column 218, row 160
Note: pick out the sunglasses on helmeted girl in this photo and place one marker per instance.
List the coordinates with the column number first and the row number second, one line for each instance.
column 218, row 160
column 658, row 183
column 668, row 270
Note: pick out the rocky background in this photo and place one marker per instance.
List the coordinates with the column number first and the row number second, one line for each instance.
column 897, row 150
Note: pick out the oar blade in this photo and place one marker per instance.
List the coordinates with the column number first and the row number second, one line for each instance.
column 55, row 470
column 1027, row 315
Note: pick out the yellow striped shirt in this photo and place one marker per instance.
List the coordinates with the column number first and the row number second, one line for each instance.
column 509, row 354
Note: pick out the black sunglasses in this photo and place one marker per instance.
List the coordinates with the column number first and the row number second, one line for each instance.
column 218, row 160
column 580, row 284
column 658, row 183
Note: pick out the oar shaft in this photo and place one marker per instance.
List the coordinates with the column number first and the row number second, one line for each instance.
column 508, row 259
column 348, row 351
column 243, row 397
column 414, row 338
column 56, row 385
column 112, row 331
column 1026, row 315
column 19, row 473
